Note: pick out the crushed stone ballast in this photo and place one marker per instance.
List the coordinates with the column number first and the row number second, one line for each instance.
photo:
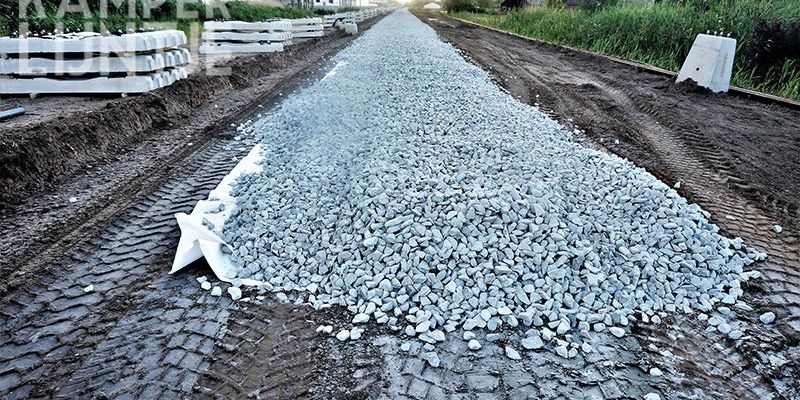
column 409, row 189
column 201, row 230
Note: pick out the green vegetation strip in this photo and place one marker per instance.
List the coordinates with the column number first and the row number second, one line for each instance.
column 119, row 19
column 767, row 33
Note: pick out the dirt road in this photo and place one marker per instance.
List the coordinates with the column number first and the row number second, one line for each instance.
column 140, row 333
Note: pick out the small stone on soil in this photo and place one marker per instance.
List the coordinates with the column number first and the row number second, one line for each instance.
column 617, row 331
column 235, row 293
column 432, row 358
column 360, row 318
column 355, row 333
column 512, row 354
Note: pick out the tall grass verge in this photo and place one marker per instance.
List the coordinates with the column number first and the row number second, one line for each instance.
column 767, row 34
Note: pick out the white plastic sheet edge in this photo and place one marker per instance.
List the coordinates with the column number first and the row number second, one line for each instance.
column 197, row 240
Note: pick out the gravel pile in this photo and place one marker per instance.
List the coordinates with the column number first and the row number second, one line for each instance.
column 407, row 187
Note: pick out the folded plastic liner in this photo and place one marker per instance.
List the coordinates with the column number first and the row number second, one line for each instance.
column 200, row 230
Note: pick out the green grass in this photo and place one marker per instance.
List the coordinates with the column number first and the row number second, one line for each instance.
column 347, row 9
column 662, row 35
column 118, row 18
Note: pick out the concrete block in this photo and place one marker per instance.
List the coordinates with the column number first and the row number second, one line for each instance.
column 307, row 27
column 338, row 19
column 247, row 36
column 231, row 48
column 130, row 84
column 710, row 62
column 94, row 65
column 273, row 26
column 308, row 34
column 89, row 42
column 305, row 21
column 350, row 28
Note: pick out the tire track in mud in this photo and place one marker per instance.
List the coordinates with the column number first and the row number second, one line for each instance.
column 272, row 351
column 592, row 94
column 138, row 333
column 62, row 340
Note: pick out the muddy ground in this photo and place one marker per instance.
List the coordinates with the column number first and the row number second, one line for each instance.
column 141, row 333
column 754, row 145
column 132, row 163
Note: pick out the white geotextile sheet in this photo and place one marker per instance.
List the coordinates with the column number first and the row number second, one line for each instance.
column 197, row 240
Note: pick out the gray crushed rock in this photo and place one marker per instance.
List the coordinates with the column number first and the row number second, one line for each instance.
column 409, row 189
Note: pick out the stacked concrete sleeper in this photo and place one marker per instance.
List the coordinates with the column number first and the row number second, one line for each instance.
column 89, row 63
column 231, row 37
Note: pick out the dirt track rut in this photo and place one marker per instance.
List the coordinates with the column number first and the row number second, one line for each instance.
column 143, row 334
column 140, row 333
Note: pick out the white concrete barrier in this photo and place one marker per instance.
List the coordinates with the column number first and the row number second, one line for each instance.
column 87, row 62
column 338, row 19
column 710, row 62
column 247, row 37
column 95, row 65
column 90, row 42
column 232, row 37
column 236, row 48
column 271, row 26
column 102, row 85
column 353, row 16
column 307, row 27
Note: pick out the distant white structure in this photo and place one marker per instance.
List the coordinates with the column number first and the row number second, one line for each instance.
column 342, row 3
column 432, row 6
column 326, row 3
